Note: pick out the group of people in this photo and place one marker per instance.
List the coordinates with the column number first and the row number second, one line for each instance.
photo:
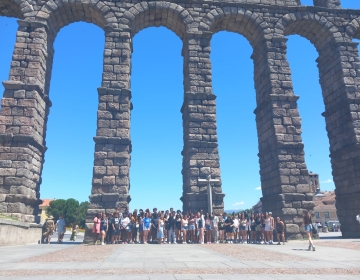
column 50, row 227
column 175, row 227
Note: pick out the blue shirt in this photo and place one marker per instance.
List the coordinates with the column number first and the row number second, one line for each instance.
column 147, row 222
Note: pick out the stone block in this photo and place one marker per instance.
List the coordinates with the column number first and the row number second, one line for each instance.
column 16, row 207
column 289, row 211
column 292, row 228
column 3, row 207
column 308, row 205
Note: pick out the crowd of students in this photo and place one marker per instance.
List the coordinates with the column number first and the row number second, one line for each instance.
column 175, row 227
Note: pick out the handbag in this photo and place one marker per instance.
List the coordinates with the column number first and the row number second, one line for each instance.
column 314, row 230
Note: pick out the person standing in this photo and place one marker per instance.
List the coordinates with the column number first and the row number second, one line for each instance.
column 215, row 226
column 160, row 229
column 74, row 231
column 243, row 228
column 124, row 222
column 252, row 229
column 116, row 228
column 185, row 228
column 229, row 224
column 308, row 228
column 280, row 229
column 60, row 228
column 258, row 228
column 178, row 221
column 236, row 231
column 272, row 228
column 192, row 228
column 222, row 228
column 146, row 227
column 200, row 227
column 110, row 232
column 104, row 226
column 171, row 230
column 154, row 225
column 208, row 228
column 49, row 224
column 96, row 227
column 268, row 230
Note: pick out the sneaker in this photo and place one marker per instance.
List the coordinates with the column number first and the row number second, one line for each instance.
column 278, row 243
column 313, row 247
column 102, row 243
column 309, row 249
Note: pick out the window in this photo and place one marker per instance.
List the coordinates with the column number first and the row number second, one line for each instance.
column 317, row 215
column 327, row 215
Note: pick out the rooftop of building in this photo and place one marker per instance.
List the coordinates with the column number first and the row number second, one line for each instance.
column 46, row 202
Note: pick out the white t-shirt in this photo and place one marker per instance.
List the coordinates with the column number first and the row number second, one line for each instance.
column 215, row 221
column 358, row 218
column 236, row 223
column 60, row 226
column 125, row 222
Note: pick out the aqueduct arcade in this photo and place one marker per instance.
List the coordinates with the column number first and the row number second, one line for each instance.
column 265, row 24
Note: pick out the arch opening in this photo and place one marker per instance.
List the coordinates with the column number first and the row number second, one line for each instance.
column 157, row 95
column 234, row 87
column 76, row 75
column 301, row 56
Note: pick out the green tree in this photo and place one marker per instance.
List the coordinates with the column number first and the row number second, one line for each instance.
column 56, row 208
column 72, row 206
column 81, row 213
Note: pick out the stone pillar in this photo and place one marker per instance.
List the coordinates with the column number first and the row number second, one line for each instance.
column 330, row 4
column 25, row 107
column 110, row 184
column 339, row 78
column 284, row 175
column 200, row 152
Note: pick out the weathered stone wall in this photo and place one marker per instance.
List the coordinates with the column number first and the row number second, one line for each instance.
column 265, row 23
column 14, row 233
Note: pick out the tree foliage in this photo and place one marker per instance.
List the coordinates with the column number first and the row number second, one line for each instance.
column 72, row 210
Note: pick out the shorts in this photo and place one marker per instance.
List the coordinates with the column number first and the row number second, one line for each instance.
column 185, row 227
column 101, row 229
column 279, row 232
column 129, row 229
column 243, row 228
column 116, row 232
column 235, row 229
column 208, row 227
column 258, row 228
column 146, row 228
column 191, row 227
column 308, row 228
column 253, row 229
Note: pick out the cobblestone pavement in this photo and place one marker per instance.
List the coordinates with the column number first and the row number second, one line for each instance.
column 216, row 261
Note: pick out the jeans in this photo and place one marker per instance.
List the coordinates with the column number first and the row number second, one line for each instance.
column 171, row 236
column 214, row 234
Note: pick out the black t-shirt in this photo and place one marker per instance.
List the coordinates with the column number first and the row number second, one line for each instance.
column 258, row 221
column 171, row 222
column 228, row 226
column 111, row 221
column 155, row 219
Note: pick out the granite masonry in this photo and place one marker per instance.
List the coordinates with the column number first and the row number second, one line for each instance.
column 265, row 23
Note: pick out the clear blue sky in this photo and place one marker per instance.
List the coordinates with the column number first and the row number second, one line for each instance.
column 156, row 124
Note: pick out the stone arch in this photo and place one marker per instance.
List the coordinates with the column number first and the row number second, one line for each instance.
column 60, row 13
column 353, row 29
column 15, row 8
column 249, row 24
column 170, row 15
column 316, row 28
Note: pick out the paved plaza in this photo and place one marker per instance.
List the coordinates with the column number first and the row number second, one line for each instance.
column 334, row 258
